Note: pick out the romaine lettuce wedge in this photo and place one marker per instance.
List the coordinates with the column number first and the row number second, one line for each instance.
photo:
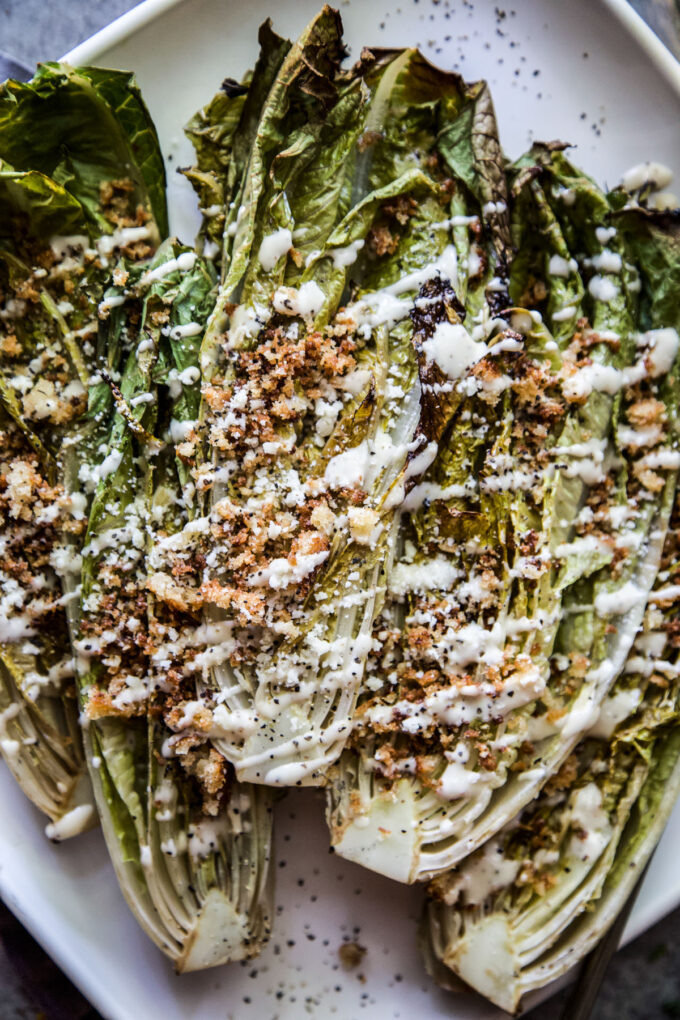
column 319, row 415
column 190, row 847
column 535, row 899
column 541, row 479
column 81, row 182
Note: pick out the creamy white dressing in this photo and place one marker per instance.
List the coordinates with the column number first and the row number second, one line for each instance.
column 75, row 821
column 305, row 301
column 484, row 873
column 428, row 491
column 666, row 460
column 436, row 574
column 456, row 781
column 180, row 430
column 347, row 256
column 660, row 350
column 115, row 301
column 620, row 601
column 107, row 244
column 605, row 234
column 494, row 207
column 91, row 476
column 663, row 201
column 421, row 462
column 281, row 573
column 637, row 438
column 614, row 710
column 456, row 221
column 602, row 289
column 363, row 464
column 607, row 262
column 205, row 837
column 135, row 691
column 668, row 594
column 188, row 329
column 184, row 263
column 461, row 705
column 642, row 174
column 233, row 227
column 587, row 815
column 387, row 307
column 245, row 322
column 559, row 266
column 10, row 747
column 564, row 314
column 453, row 350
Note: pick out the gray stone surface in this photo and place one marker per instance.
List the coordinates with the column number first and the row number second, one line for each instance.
column 664, row 17
column 643, row 981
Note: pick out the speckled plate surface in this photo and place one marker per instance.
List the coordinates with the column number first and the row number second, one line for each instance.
column 586, row 72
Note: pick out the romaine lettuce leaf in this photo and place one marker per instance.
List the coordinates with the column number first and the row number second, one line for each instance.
column 86, row 128
column 340, row 213
column 81, row 180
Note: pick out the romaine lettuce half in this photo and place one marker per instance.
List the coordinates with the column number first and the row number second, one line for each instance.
column 520, row 587
column 190, row 846
column 319, row 413
column 81, row 182
column 535, row 899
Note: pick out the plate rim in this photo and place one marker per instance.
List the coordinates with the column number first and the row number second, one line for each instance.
column 138, row 17
column 120, row 29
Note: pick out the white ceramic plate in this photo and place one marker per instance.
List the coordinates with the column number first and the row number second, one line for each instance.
column 589, row 73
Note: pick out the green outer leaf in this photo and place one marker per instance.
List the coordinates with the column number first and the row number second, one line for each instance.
column 45, row 207
column 123, row 96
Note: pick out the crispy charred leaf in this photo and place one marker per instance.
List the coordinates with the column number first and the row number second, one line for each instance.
column 530, row 551
column 541, row 893
column 86, row 128
column 190, row 848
